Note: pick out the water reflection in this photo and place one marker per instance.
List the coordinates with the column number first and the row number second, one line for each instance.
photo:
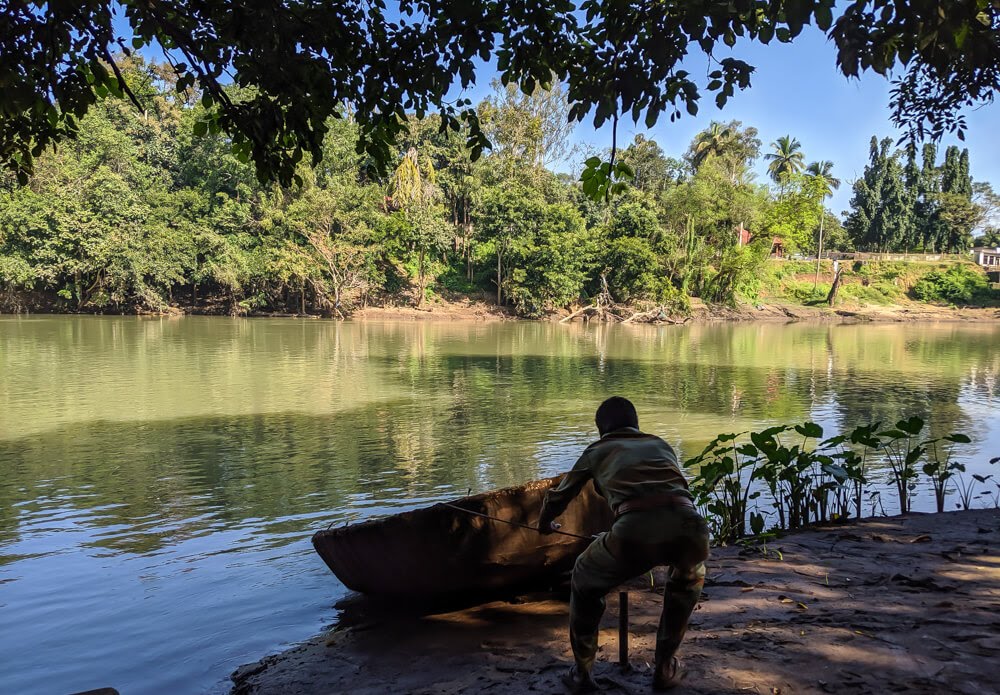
column 162, row 476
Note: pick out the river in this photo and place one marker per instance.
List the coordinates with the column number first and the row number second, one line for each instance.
column 161, row 477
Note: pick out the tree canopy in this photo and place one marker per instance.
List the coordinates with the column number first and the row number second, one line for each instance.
column 138, row 213
column 906, row 208
column 300, row 63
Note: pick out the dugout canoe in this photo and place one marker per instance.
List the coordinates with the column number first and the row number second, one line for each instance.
column 439, row 550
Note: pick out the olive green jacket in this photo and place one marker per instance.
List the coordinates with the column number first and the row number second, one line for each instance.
column 624, row 464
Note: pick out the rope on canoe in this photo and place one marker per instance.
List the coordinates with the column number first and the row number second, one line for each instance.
column 514, row 523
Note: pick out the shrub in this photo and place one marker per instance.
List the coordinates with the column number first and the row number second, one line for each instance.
column 805, row 291
column 881, row 270
column 958, row 284
column 876, row 293
column 631, row 268
column 454, row 279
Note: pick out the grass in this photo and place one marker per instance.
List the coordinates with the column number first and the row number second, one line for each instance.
column 878, row 283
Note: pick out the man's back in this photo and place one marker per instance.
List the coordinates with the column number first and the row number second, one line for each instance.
column 627, row 464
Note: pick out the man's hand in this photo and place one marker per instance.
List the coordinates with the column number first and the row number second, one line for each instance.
column 546, row 527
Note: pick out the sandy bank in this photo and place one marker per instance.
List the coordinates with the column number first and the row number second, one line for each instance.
column 477, row 310
column 904, row 604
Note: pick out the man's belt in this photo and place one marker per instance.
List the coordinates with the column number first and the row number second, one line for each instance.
column 661, row 501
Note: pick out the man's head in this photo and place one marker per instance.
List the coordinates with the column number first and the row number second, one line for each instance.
column 615, row 413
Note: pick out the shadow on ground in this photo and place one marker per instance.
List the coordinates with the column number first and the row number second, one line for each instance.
column 903, row 604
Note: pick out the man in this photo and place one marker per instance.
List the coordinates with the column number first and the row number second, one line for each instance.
column 655, row 524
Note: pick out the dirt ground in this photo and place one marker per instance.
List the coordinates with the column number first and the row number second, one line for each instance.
column 476, row 311
column 905, row 604
column 469, row 309
column 458, row 309
column 848, row 313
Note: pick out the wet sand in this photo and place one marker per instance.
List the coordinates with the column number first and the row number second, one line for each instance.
column 906, row 604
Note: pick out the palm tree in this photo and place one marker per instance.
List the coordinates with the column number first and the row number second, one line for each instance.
column 787, row 159
column 714, row 140
column 822, row 172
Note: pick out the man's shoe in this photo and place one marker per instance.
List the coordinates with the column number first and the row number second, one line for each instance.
column 578, row 681
column 668, row 676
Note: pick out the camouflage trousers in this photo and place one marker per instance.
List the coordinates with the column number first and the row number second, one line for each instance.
column 679, row 539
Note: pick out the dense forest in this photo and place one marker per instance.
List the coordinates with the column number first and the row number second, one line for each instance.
column 899, row 205
column 148, row 210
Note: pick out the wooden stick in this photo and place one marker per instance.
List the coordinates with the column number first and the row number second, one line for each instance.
column 623, row 630
column 515, row 523
column 577, row 313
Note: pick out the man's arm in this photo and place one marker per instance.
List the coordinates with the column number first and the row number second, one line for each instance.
column 559, row 497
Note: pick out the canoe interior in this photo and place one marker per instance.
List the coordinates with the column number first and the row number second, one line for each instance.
column 436, row 551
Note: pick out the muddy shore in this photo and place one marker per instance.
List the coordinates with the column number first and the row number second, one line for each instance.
column 907, row 604
column 471, row 310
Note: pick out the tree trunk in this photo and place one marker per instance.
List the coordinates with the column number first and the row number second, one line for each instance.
column 303, row 300
column 834, row 288
column 467, row 225
column 498, row 279
column 420, row 279
column 819, row 251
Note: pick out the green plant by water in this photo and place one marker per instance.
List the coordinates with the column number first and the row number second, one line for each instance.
column 788, row 476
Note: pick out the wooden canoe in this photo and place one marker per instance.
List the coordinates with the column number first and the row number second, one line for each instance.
column 441, row 551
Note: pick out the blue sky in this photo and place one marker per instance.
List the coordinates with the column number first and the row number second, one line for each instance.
column 797, row 90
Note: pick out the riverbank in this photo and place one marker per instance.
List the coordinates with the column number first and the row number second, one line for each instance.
column 471, row 308
column 846, row 313
column 901, row 604
column 782, row 312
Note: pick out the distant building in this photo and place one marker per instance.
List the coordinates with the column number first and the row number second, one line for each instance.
column 986, row 256
column 777, row 246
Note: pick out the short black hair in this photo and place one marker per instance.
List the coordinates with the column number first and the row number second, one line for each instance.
column 615, row 413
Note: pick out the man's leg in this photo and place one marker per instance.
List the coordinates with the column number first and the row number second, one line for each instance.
column 597, row 571
column 680, row 596
column 686, row 557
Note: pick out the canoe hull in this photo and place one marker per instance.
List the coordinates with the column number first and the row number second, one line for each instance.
column 438, row 550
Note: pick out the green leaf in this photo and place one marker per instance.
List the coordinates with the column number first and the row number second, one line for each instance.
column 810, row 429
column 912, row 425
column 958, row 438
column 893, row 434
column 838, row 472
column 200, row 128
column 914, row 454
column 824, row 17
column 624, row 170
